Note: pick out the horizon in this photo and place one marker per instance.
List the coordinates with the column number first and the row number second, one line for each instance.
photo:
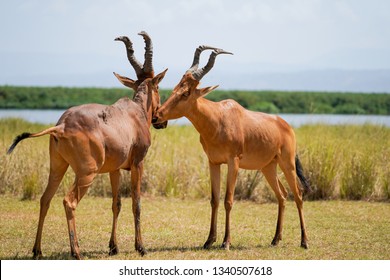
column 122, row 87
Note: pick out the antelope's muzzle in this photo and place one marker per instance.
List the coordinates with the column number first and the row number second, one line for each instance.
column 158, row 125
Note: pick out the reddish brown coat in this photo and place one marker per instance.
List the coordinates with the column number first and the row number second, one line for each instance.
column 95, row 138
column 240, row 138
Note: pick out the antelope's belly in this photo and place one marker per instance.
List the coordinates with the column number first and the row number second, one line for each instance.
column 253, row 163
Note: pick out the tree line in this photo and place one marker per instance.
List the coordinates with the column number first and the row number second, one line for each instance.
column 16, row 97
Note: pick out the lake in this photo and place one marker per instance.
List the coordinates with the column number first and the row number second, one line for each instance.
column 296, row 120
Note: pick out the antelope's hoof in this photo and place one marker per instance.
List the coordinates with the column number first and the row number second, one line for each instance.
column 226, row 246
column 142, row 251
column 275, row 242
column 208, row 244
column 113, row 251
column 76, row 256
column 37, row 254
column 113, row 248
column 304, row 245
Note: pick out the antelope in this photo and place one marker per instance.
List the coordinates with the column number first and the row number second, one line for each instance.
column 95, row 138
column 240, row 138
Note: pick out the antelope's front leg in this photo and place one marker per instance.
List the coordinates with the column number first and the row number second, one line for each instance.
column 215, row 176
column 116, row 208
column 136, row 176
column 233, row 166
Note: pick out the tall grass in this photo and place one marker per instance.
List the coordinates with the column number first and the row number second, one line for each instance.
column 341, row 162
column 348, row 162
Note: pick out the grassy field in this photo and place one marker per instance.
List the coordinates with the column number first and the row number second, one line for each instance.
column 342, row 162
column 348, row 214
column 176, row 229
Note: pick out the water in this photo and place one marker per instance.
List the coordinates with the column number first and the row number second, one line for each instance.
column 35, row 116
column 296, row 120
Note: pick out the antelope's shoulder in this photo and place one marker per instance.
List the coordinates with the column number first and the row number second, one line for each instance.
column 230, row 106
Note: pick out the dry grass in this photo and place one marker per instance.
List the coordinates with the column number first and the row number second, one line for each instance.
column 176, row 229
column 347, row 162
column 341, row 162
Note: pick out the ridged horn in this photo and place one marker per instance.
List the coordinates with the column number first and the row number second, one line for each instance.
column 197, row 53
column 198, row 74
column 130, row 55
column 148, row 64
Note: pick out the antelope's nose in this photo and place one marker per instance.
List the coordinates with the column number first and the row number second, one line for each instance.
column 154, row 119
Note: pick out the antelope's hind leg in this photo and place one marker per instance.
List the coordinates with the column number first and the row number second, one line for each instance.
column 71, row 200
column 58, row 167
column 290, row 173
column 270, row 174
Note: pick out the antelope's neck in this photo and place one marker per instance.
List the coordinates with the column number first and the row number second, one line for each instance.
column 204, row 116
column 143, row 99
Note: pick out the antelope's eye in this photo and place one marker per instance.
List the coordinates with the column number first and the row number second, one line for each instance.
column 186, row 94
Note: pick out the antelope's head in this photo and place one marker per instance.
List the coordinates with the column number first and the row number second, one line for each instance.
column 145, row 73
column 186, row 92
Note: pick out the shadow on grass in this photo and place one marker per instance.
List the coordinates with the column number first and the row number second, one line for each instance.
column 201, row 249
column 62, row 256
column 103, row 255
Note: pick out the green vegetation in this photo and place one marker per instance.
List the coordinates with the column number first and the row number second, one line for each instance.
column 56, row 97
column 308, row 102
column 176, row 229
column 266, row 101
column 342, row 162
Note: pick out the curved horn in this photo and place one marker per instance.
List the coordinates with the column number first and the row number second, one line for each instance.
column 148, row 65
column 199, row 73
column 130, row 54
column 198, row 51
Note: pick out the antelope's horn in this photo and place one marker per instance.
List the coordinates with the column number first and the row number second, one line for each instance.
column 148, row 65
column 198, row 51
column 130, row 54
column 199, row 73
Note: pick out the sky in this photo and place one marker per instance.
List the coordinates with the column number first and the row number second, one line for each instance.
column 293, row 44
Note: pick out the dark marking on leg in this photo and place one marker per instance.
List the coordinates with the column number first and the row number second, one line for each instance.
column 119, row 203
column 113, row 249
column 72, row 243
column 37, row 254
column 303, row 240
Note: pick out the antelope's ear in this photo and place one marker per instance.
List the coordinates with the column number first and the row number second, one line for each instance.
column 156, row 80
column 126, row 81
column 204, row 91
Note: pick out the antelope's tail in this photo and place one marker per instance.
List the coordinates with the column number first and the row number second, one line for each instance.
column 25, row 135
column 299, row 170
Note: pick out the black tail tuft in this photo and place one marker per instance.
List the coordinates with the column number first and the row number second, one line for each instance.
column 17, row 140
column 299, row 170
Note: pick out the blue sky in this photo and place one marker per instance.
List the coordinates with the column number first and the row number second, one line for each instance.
column 68, row 43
